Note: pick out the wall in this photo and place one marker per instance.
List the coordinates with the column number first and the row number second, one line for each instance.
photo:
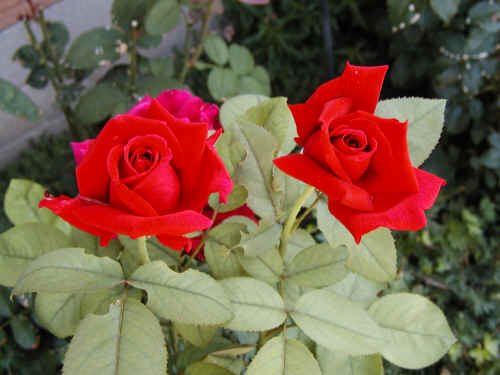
column 78, row 16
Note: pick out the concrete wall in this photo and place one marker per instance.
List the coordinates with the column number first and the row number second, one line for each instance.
column 78, row 16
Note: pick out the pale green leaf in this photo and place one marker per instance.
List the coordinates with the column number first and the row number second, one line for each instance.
column 298, row 241
column 231, row 151
column 202, row 368
column 98, row 302
column 191, row 353
column 233, row 351
column 418, row 330
column 216, row 49
column 267, row 266
column 156, row 250
column 241, row 59
column 283, row 357
column 274, row 116
column 236, row 107
column 334, row 363
column 250, row 85
column 248, row 224
column 222, row 261
column 126, row 341
column 58, row 312
column 163, row 17
column 197, row 335
column 318, row 266
column 291, row 293
column 375, row 257
column 92, row 245
column 234, row 365
column 21, row 205
column 69, row 271
column 265, row 237
column 222, row 83
column 257, row 306
column 236, row 199
column 357, row 289
column 425, row 122
column 338, row 324
column 190, row 297
column 20, row 245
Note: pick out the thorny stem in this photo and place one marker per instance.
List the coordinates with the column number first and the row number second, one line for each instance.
column 143, row 250
column 287, row 230
column 202, row 242
column 205, row 23
column 306, row 212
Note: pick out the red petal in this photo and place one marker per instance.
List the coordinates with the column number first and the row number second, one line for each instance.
column 175, row 242
column 116, row 221
column 307, row 170
column 92, row 174
column 394, row 211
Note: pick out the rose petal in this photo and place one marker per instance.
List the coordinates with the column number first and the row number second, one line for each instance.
column 112, row 220
column 307, row 170
column 175, row 242
column 394, row 211
column 141, row 108
column 80, row 149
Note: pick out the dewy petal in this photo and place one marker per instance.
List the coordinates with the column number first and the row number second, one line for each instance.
column 113, row 220
column 80, row 149
column 394, row 211
column 92, row 173
column 307, row 170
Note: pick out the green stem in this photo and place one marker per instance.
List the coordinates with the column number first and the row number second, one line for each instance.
column 287, row 230
column 205, row 23
column 51, row 55
column 143, row 250
column 132, row 72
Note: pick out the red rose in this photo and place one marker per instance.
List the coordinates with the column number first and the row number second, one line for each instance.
column 360, row 161
column 148, row 175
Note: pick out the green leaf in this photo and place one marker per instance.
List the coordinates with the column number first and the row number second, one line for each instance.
column 250, row 85
column 231, row 151
column 234, row 365
column 128, row 340
column 98, row 302
column 20, row 245
column 236, row 199
column 163, row 17
column 154, row 85
column 298, row 241
column 98, row 103
column 333, row 363
column 124, row 11
column 261, row 75
column 257, row 306
column 25, row 333
column 191, row 354
column 92, row 245
column 57, row 40
column 445, row 9
column 418, row 329
column 216, row 49
column 5, row 304
column 92, row 47
column 425, row 123
column 284, row 357
column 197, row 335
column 27, row 56
column 374, row 258
column 275, row 116
column 202, row 368
column 267, row 266
column 338, row 324
column 357, row 289
column 58, row 312
column 156, row 250
column 265, row 237
column 69, row 271
column 39, row 77
column 15, row 102
column 318, row 266
column 222, row 83
column 162, row 66
column 236, row 107
column 241, row 59
column 190, row 297
column 21, row 204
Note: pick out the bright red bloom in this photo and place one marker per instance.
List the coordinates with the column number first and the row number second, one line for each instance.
column 360, row 161
column 148, row 175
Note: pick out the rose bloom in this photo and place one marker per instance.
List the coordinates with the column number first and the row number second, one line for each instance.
column 149, row 172
column 360, row 161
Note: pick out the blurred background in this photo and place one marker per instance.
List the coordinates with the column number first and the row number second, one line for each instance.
column 435, row 48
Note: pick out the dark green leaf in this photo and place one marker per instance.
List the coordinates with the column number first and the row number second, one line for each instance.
column 98, row 103
column 163, row 17
column 15, row 102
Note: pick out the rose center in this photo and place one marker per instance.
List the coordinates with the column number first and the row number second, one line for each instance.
column 143, row 158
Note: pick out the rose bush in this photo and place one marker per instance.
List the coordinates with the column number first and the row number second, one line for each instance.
column 149, row 172
column 360, row 161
